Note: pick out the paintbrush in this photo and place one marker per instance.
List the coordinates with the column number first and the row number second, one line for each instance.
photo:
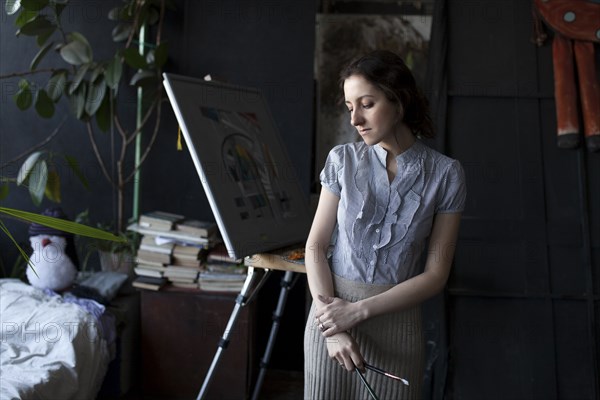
column 364, row 381
column 380, row 371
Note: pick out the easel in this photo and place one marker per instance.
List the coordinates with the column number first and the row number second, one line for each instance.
column 260, row 267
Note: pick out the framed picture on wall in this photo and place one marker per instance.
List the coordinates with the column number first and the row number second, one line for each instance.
column 244, row 168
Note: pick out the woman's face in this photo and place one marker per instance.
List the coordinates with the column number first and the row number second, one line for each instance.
column 374, row 116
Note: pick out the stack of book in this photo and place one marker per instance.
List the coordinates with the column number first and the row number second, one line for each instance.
column 151, row 260
column 222, row 272
column 172, row 249
column 185, row 265
column 187, row 232
column 159, row 220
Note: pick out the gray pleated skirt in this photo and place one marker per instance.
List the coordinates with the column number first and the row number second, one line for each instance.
column 392, row 342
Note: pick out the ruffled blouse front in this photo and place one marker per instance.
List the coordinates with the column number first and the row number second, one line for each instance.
column 382, row 226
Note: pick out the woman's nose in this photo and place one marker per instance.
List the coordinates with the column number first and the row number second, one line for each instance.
column 356, row 118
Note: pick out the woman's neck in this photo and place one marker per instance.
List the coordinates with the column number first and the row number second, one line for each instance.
column 402, row 140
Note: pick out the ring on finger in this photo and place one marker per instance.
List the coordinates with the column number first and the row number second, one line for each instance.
column 322, row 327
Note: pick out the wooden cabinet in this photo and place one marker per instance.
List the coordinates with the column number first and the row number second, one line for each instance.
column 180, row 331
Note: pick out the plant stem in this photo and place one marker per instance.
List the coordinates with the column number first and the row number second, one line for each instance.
column 25, row 73
column 138, row 139
column 37, row 146
column 90, row 130
column 160, row 22
column 152, row 139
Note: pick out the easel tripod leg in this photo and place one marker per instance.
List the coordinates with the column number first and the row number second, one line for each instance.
column 242, row 299
column 286, row 283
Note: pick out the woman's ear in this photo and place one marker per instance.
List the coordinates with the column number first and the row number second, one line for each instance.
column 400, row 113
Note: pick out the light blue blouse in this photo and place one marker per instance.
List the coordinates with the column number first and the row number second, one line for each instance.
column 381, row 226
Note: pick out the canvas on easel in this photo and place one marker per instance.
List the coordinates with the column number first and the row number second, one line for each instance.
column 249, row 181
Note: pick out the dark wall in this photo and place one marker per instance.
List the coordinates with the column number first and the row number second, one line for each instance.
column 523, row 297
column 263, row 44
column 268, row 45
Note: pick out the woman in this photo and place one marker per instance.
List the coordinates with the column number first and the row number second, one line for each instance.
column 383, row 198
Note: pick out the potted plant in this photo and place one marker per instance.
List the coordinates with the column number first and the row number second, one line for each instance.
column 94, row 89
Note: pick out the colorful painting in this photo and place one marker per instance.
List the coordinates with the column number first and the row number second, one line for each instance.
column 249, row 163
column 245, row 171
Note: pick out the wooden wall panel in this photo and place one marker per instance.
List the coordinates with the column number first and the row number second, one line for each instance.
column 501, row 358
column 523, row 298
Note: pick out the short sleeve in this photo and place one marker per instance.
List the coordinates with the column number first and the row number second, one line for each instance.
column 453, row 190
column 330, row 175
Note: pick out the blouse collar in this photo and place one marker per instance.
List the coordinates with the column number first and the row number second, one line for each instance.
column 406, row 157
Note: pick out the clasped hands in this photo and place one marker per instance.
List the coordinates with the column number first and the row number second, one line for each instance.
column 337, row 315
column 334, row 319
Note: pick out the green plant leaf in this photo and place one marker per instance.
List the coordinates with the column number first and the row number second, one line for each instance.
column 37, row 181
column 134, row 59
column 129, row 8
column 27, row 166
column 40, row 55
column 142, row 14
column 60, row 7
column 77, row 51
column 78, row 100
column 52, row 190
column 24, row 17
column 44, row 104
column 78, row 37
column 96, row 73
column 78, row 78
column 113, row 72
column 74, row 53
column 161, row 54
column 142, row 77
column 4, row 191
column 74, row 165
column 121, row 32
column 4, row 229
column 113, row 14
column 12, row 6
column 43, row 37
column 23, row 98
column 95, row 95
column 120, row 14
column 152, row 17
column 34, row 5
column 61, row 224
column 37, row 26
column 103, row 114
column 56, row 85
column 150, row 57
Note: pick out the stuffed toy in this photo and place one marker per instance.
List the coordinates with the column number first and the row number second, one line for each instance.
column 576, row 26
column 54, row 258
